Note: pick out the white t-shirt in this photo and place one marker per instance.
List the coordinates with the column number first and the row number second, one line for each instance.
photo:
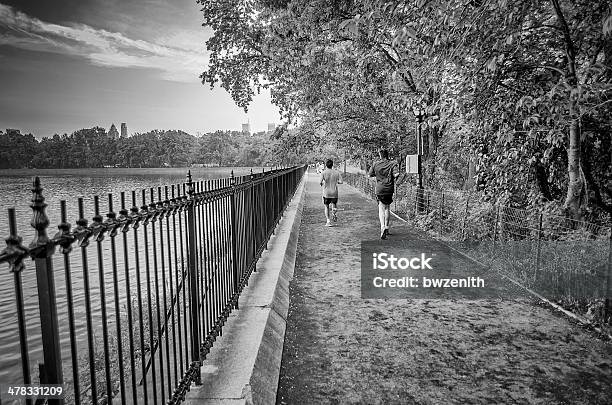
column 330, row 179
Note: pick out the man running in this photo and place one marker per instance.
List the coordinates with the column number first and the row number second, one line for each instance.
column 330, row 178
column 386, row 172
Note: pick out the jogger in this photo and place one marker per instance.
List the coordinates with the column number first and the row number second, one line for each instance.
column 386, row 172
column 330, row 178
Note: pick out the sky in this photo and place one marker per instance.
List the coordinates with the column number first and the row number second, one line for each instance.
column 72, row 64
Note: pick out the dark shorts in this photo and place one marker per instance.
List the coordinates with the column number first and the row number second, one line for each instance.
column 385, row 198
column 328, row 201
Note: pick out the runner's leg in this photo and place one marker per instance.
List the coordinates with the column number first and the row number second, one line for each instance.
column 381, row 216
column 387, row 216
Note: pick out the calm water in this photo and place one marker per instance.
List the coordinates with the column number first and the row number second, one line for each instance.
column 67, row 184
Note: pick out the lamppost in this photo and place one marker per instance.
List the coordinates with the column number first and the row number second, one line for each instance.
column 419, row 114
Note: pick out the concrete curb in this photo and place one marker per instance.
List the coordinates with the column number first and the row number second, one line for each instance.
column 244, row 365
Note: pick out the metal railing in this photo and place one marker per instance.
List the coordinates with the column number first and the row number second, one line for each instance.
column 566, row 260
column 151, row 289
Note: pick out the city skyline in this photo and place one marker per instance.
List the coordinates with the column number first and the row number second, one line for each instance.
column 79, row 64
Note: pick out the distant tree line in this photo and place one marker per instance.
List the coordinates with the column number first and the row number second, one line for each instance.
column 94, row 147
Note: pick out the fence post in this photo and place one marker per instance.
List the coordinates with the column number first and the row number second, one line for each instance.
column 441, row 212
column 495, row 226
column 51, row 370
column 194, row 302
column 608, row 309
column 253, row 219
column 539, row 246
column 16, row 266
column 234, row 232
column 467, row 212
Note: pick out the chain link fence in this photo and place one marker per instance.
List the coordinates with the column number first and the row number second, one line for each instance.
column 567, row 261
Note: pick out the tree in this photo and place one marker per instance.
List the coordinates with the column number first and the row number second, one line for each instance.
column 218, row 147
column 16, row 150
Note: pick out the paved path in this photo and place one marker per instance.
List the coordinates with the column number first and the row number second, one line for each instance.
column 340, row 348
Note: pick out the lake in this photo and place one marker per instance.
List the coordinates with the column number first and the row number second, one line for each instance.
column 69, row 184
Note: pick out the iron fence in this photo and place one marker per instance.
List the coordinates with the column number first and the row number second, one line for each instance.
column 144, row 291
column 566, row 260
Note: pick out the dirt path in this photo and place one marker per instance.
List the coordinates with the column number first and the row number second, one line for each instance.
column 340, row 348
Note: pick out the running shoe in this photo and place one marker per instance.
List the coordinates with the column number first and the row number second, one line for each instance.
column 328, row 223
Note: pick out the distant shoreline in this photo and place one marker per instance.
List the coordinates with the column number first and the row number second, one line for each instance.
column 134, row 171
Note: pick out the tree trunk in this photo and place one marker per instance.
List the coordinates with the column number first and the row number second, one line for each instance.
column 471, row 172
column 575, row 185
column 541, row 181
column 434, row 140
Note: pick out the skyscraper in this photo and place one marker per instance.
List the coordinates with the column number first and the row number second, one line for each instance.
column 246, row 128
column 124, row 133
column 112, row 132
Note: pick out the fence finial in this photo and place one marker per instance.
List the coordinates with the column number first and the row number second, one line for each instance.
column 82, row 231
column 189, row 178
column 40, row 221
column 190, row 184
column 98, row 227
column 63, row 235
column 14, row 248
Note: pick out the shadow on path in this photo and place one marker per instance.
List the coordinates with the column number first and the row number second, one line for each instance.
column 340, row 348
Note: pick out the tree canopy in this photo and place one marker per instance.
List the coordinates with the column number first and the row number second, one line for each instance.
column 516, row 93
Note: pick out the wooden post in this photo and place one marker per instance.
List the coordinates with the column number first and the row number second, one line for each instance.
column 538, row 252
column 467, row 207
column 608, row 311
column 441, row 213
column 495, row 226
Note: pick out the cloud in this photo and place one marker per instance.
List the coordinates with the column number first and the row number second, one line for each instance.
column 179, row 56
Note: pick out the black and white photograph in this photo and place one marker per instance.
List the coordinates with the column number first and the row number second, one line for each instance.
column 295, row 202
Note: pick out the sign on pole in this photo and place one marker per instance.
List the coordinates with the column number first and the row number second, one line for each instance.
column 412, row 164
